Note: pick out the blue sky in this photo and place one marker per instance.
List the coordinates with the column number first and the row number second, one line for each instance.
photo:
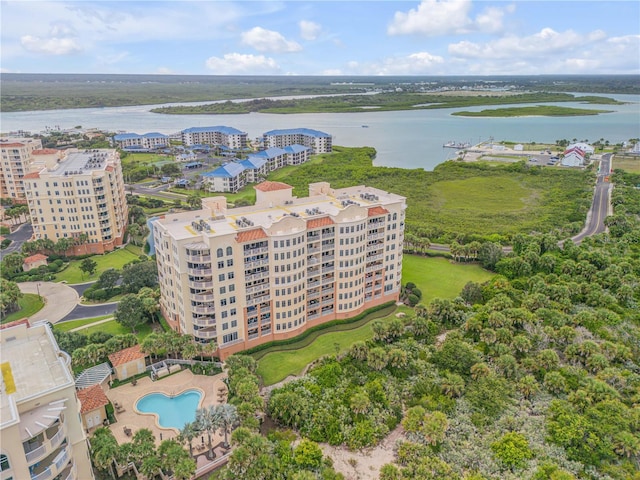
column 432, row 37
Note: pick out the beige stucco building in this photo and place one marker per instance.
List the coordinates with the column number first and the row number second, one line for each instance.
column 93, row 403
column 15, row 164
column 41, row 433
column 128, row 362
column 79, row 194
column 250, row 275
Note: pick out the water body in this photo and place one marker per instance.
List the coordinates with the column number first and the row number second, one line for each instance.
column 406, row 139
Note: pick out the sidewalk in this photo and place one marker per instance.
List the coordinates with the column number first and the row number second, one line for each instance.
column 82, row 327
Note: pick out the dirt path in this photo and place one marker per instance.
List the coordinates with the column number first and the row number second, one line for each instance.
column 364, row 464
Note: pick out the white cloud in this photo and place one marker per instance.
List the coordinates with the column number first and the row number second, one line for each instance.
column 445, row 17
column 309, row 30
column 264, row 40
column 242, row 64
column 51, row 46
column 332, row 72
column 419, row 63
column 164, row 71
column 545, row 42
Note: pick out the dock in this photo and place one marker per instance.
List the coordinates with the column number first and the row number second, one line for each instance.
column 458, row 145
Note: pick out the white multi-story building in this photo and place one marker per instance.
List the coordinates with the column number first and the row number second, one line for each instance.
column 17, row 157
column 228, row 137
column 134, row 142
column 250, row 275
column 317, row 141
column 40, row 428
column 79, row 196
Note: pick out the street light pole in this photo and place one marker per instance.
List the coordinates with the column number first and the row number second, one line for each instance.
column 38, row 289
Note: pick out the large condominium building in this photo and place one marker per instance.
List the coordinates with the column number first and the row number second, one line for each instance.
column 134, row 142
column 15, row 164
column 228, row 137
column 40, row 428
column 79, row 196
column 318, row 142
column 249, row 275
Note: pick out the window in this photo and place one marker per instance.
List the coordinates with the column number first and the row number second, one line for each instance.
column 219, row 253
column 229, row 251
column 4, row 463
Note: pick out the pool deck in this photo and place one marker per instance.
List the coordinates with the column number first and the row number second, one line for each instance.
column 127, row 395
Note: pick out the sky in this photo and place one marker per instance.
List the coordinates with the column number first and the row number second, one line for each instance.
column 429, row 37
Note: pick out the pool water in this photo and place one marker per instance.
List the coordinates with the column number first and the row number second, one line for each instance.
column 173, row 412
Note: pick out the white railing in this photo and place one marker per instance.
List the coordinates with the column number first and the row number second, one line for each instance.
column 204, row 322
column 202, row 297
column 200, row 271
column 200, row 284
column 205, row 333
column 37, row 453
column 255, row 251
column 203, row 309
column 44, row 475
column 256, row 300
column 328, row 269
column 198, row 258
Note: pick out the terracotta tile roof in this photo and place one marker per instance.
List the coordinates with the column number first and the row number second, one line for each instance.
column 251, row 235
column 319, row 222
column 38, row 257
column 272, row 186
column 22, row 321
column 12, row 145
column 92, row 398
column 375, row 211
column 32, row 175
column 45, row 151
column 109, row 168
column 127, row 355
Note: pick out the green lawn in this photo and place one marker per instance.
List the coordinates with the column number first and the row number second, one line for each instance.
column 114, row 328
column 277, row 366
column 116, row 259
column 29, row 304
column 70, row 325
column 439, row 277
column 627, row 163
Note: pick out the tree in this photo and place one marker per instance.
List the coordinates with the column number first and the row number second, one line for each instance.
column 150, row 297
column 206, row 421
column 187, row 433
column 512, row 450
column 135, row 276
column 226, row 416
column 130, row 312
column 308, row 455
column 88, row 266
column 109, row 279
column 12, row 263
column 10, row 294
column 104, row 449
column 194, row 201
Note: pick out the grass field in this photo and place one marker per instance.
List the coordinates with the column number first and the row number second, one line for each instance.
column 29, row 304
column 70, row 325
column 276, row 366
column 116, row 259
column 114, row 328
column 439, row 277
column 627, row 163
column 480, row 193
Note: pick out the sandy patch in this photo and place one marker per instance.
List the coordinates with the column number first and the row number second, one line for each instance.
column 364, row 464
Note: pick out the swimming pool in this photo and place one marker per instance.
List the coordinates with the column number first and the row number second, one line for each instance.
column 172, row 411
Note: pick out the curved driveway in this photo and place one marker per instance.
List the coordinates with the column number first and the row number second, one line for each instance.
column 59, row 300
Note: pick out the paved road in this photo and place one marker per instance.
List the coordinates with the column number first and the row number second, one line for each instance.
column 60, row 300
column 600, row 205
column 88, row 311
column 21, row 235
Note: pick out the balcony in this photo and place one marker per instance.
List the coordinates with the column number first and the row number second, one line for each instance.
column 200, row 284
column 256, row 263
column 374, row 268
column 41, row 449
column 374, row 258
column 202, row 297
column 327, row 311
column 375, row 236
column 51, row 465
column 313, row 250
column 312, row 272
column 328, row 269
column 328, row 301
column 313, row 283
column 206, row 334
column 313, row 237
column 197, row 258
column 313, row 295
column 203, row 309
column 327, row 258
column 200, row 272
column 256, row 251
column 260, row 299
column 204, row 322
column 256, row 276
column 313, row 316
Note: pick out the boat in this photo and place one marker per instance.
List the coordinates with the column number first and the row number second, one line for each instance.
column 456, row 145
column 365, row 126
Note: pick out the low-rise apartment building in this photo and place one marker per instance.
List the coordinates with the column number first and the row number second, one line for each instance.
column 16, row 160
column 249, row 275
column 228, row 137
column 317, row 141
column 40, row 428
column 80, row 196
column 135, row 142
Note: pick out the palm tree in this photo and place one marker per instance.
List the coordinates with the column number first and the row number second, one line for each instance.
column 226, row 416
column 452, row 385
column 187, row 434
column 205, row 422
